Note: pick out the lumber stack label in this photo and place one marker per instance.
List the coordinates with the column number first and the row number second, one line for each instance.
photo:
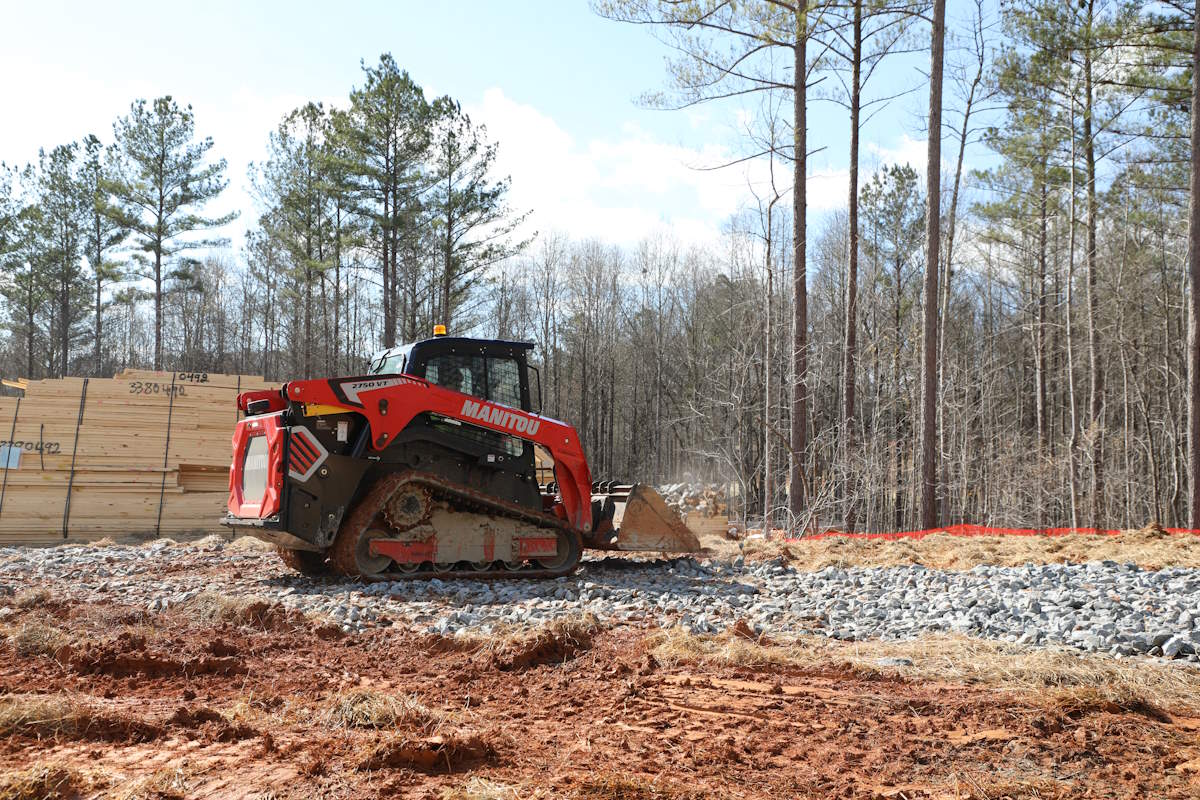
column 141, row 454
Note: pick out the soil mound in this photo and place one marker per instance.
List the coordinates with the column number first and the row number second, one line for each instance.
column 448, row 753
column 128, row 654
column 555, row 643
column 211, row 725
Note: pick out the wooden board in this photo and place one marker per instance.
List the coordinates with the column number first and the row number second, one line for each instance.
column 140, row 454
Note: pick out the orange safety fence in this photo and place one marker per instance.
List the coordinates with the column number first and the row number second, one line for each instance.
column 978, row 530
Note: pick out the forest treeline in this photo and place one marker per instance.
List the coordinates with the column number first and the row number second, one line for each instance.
column 1059, row 379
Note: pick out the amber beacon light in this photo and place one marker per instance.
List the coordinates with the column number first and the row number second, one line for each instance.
column 439, row 330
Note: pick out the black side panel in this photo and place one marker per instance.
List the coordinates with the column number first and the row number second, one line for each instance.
column 314, row 509
column 455, row 453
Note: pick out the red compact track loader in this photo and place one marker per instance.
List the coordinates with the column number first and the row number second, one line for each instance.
column 428, row 467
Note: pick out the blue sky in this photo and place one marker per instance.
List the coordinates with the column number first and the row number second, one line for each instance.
column 554, row 83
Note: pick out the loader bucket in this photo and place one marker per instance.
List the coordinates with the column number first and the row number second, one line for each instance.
column 643, row 521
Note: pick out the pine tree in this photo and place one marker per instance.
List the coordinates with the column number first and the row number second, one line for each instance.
column 472, row 224
column 105, row 230
column 1193, row 402
column 893, row 213
column 8, row 209
column 160, row 180
column 26, row 261
column 63, row 204
column 384, row 136
column 875, row 29
column 292, row 184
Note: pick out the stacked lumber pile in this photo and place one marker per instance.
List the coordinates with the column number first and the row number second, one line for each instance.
column 140, row 455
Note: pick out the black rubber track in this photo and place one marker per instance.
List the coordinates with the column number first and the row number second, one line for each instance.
column 341, row 553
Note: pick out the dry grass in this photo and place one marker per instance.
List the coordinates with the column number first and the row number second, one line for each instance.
column 574, row 632
column 64, row 717
column 168, row 782
column 986, row 786
column 553, row 642
column 1061, row 675
column 43, row 715
column 367, row 708
column 37, row 639
column 212, row 608
column 482, row 789
column 1149, row 547
column 44, row 781
column 612, row 786
column 519, row 647
column 450, row 751
column 266, row 712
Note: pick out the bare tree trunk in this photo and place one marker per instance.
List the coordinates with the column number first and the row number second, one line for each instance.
column 386, row 296
column 799, row 421
column 448, row 253
column 1194, row 297
column 97, row 258
column 1073, row 438
column 1095, row 370
column 1039, row 343
column 1039, row 337
column 337, row 289
column 851, row 329
column 929, row 383
column 951, row 227
column 768, row 478
column 158, row 306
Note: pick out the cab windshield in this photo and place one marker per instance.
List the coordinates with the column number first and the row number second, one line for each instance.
column 387, row 365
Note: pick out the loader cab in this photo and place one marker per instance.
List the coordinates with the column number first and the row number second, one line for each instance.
column 492, row 369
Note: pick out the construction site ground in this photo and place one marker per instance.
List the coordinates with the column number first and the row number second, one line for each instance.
column 232, row 695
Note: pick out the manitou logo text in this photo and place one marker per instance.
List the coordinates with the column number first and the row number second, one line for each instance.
column 500, row 418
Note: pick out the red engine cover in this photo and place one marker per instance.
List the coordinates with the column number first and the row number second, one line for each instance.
column 262, row 502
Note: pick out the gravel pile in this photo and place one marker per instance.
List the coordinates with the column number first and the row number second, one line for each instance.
column 1101, row 606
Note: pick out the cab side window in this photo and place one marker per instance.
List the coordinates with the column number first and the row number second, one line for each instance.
column 463, row 374
column 494, row 379
column 504, row 381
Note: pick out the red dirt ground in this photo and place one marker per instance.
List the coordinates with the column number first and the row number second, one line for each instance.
column 183, row 708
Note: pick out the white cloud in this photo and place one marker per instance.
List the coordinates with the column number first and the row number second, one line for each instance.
column 619, row 189
column 908, row 151
column 624, row 188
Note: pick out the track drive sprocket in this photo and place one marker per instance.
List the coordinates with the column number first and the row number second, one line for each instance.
column 409, row 506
